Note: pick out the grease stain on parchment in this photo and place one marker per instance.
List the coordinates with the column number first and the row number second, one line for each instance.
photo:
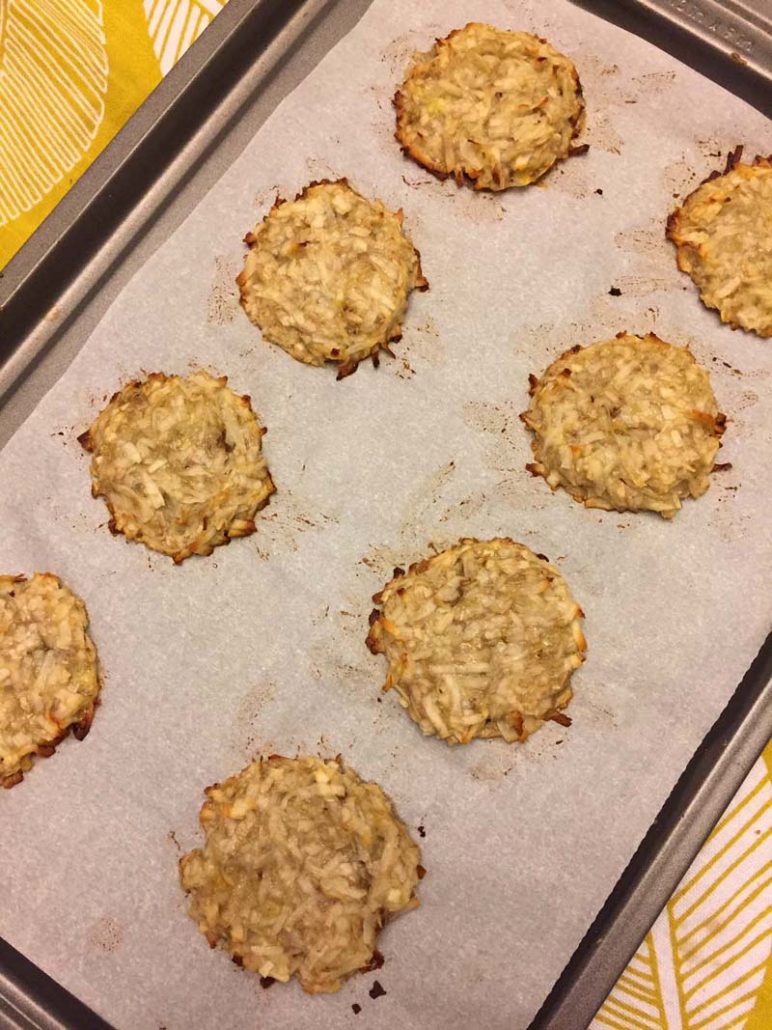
column 424, row 508
column 608, row 311
column 507, row 450
column 419, row 347
column 503, row 429
column 481, row 207
column 283, row 522
column 642, row 284
column 333, row 660
column 489, row 762
column 414, row 540
column 268, row 196
column 401, row 51
column 593, row 713
column 340, row 657
column 651, row 251
column 84, row 523
column 747, row 400
column 737, row 407
column 608, row 90
column 679, row 179
column 645, row 241
column 247, row 735
column 715, row 149
column 570, row 177
column 318, row 170
column 106, row 935
column 731, row 525
column 491, row 768
column 222, row 304
column 683, row 176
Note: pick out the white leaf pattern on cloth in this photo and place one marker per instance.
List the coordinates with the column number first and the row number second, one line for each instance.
column 703, row 963
column 53, row 80
column 174, row 24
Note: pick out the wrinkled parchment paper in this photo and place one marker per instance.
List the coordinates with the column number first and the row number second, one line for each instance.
column 261, row 646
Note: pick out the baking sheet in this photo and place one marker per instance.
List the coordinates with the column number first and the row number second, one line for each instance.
column 261, row 646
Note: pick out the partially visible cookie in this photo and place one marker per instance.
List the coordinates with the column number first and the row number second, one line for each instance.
column 490, row 107
column 481, row 640
column 629, row 424
column 302, row 864
column 328, row 276
column 49, row 678
column 179, row 462
column 723, row 233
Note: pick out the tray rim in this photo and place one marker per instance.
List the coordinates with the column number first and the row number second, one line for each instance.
column 29, row 998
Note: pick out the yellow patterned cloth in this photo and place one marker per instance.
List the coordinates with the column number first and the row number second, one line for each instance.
column 71, row 73
column 705, row 965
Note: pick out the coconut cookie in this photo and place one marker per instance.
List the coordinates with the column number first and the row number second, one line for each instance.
column 629, row 424
column 303, row 863
column 723, row 235
column 49, row 678
column 481, row 641
column 490, row 107
column 179, row 463
column 328, row 276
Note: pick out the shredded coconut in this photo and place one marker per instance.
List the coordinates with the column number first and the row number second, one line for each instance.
column 491, row 107
column 723, row 232
column 179, row 463
column 481, row 641
column 328, row 276
column 627, row 424
column 302, row 865
column 49, row 680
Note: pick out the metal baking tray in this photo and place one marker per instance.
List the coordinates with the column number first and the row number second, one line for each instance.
column 177, row 145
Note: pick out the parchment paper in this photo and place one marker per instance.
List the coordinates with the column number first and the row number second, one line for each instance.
column 261, row 647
